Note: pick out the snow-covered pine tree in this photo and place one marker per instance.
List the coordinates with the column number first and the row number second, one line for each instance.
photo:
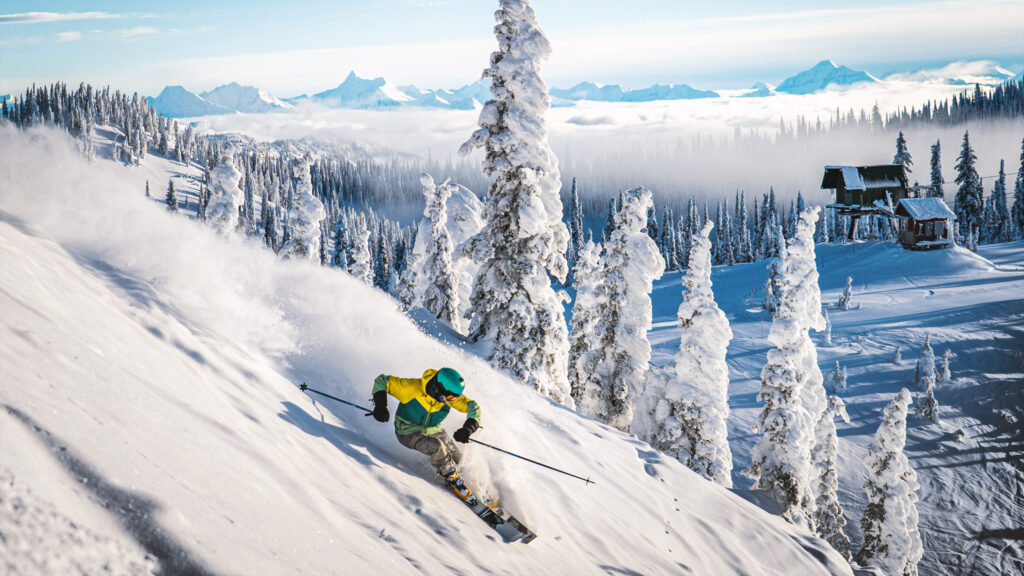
column 631, row 265
column 339, row 253
column 690, row 419
column 147, row 185
column 970, row 202
column 382, row 261
column 514, row 308
column 575, row 225
column 944, row 374
column 828, row 520
column 440, row 286
column 171, row 198
column 791, row 384
column 902, row 155
column 839, row 379
column 584, row 349
column 927, row 364
column 360, row 267
column 891, row 538
column 225, row 195
column 305, row 215
column 826, row 337
column 845, row 301
column 1017, row 215
column 776, row 269
column 997, row 217
column 935, row 189
column 927, row 406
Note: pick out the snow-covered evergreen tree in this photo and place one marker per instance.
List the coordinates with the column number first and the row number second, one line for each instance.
column 171, row 198
column 225, row 194
column 828, row 520
column 575, row 225
column 944, row 374
column 361, row 267
column 902, row 155
column 631, row 265
column 339, row 254
column 690, row 418
column 927, row 364
column 776, row 268
column 935, row 189
column 897, row 356
column 826, row 337
column 305, row 215
column 440, row 293
column 891, row 538
column 514, row 308
column 1017, row 214
column 839, row 379
column 845, row 301
column 997, row 217
column 791, row 384
column 970, row 202
column 584, row 349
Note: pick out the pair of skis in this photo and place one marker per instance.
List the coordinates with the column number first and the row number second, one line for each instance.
column 490, row 511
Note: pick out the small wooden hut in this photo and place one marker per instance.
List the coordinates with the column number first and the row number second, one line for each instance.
column 924, row 223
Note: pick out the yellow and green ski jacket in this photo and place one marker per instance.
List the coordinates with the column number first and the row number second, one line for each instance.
column 418, row 412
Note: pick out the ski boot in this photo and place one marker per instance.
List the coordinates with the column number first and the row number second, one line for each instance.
column 457, row 486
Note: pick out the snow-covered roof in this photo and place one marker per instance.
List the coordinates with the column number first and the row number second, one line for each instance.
column 883, row 176
column 925, row 208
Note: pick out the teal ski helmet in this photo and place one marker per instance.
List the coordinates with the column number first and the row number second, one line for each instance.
column 451, row 381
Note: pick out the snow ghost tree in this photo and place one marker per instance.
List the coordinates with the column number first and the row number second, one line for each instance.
column 171, row 198
column 440, row 294
column 632, row 263
column 792, row 384
column 826, row 337
column 891, row 538
column 515, row 311
column 225, row 194
column 846, row 298
column 828, row 520
column 586, row 310
column 690, row 419
column 361, row 267
column 305, row 216
column 839, row 379
column 897, row 357
column 927, row 405
column 944, row 375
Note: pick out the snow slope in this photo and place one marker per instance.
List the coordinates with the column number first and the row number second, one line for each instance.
column 149, row 375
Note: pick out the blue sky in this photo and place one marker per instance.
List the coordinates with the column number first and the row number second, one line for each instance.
column 309, row 46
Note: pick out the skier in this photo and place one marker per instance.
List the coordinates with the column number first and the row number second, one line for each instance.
column 423, row 404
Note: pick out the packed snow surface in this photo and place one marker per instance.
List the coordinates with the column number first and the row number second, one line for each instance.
column 149, row 378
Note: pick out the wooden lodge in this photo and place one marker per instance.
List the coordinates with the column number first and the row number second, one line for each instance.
column 924, row 223
column 861, row 190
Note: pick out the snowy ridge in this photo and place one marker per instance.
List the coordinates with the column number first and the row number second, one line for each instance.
column 247, row 99
column 822, row 75
column 178, row 102
column 177, row 355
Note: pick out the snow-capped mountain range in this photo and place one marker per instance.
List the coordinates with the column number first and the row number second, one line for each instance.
column 378, row 93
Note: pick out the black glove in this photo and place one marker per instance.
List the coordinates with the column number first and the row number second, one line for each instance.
column 380, row 406
column 462, row 434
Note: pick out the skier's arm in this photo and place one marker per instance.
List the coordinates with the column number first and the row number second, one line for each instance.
column 380, row 398
column 472, row 411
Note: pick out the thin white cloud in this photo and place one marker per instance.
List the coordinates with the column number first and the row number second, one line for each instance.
column 69, row 36
column 136, row 32
column 34, row 17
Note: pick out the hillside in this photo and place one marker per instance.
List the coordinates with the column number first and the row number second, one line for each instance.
column 149, row 382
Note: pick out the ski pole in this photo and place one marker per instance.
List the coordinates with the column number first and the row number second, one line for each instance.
column 303, row 387
column 369, row 412
column 587, row 480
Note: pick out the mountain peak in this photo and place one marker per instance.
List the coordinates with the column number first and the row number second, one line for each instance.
column 822, row 75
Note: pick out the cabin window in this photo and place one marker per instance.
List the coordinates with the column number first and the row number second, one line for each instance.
column 940, row 228
column 929, row 229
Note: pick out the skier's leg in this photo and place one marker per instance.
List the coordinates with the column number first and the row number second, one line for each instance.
column 434, row 446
